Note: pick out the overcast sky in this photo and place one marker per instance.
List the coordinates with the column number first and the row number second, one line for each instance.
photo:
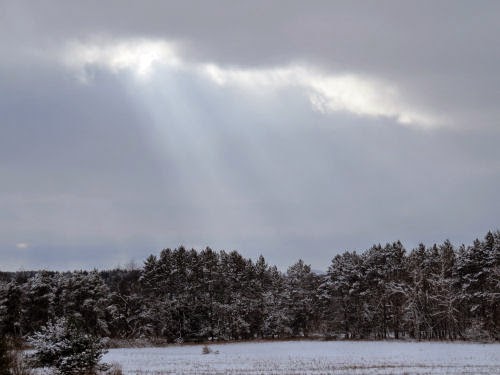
column 288, row 129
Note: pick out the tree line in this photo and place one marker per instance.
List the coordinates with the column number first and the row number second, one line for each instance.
column 437, row 292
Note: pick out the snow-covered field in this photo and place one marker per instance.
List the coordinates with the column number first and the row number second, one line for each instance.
column 313, row 357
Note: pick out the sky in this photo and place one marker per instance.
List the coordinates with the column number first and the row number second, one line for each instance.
column 290, row 129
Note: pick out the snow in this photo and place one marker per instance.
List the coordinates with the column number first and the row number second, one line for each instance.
column 312, row 357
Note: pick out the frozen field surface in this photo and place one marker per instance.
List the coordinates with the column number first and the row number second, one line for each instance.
column 312, row 357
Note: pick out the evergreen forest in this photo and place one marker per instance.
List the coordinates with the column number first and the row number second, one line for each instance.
column 439, row 292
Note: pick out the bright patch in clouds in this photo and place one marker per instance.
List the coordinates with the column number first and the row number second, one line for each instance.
column 22, row 245
column 327, row 93
column 139, row 55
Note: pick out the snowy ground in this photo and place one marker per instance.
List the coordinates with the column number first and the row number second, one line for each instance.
column 313, row 357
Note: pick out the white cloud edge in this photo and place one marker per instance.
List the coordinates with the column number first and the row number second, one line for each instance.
column 327, row 92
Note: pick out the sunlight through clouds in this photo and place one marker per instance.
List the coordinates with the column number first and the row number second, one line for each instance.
column 329, row 93
column 326, row 92
column 138, row 55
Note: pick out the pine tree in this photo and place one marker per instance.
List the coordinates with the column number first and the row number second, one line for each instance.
column 67, row 348
column 38, row 301
column 302, row 299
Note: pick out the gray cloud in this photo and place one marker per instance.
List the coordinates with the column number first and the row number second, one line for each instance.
column 97, row 174
column 444, row 55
